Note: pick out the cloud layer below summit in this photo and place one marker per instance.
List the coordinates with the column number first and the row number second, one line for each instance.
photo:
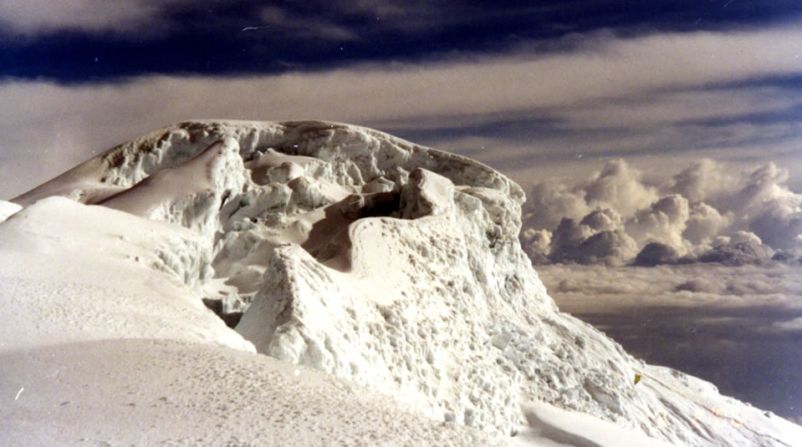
column 704, row 213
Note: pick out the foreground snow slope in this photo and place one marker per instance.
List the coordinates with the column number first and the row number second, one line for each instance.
column 395, row 267
column 103, row 343
column 73, row 273
column 163, row 392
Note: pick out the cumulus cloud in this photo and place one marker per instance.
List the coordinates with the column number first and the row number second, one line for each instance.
column 597, row 238
column 554, row 202
column 702, row 214
column 663, row 221
column 538, row 243
column 704, row 222
column 703, row 180
column 619, row 187
column 742, row 248
column 772, row 211
column 656, row 253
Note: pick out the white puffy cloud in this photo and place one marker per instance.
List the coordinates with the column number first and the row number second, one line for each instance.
column 604, row 219
column 609, row 246
column 703, row 180
column 550, row 202
column 664, row 221
column 704, row 223
column 598, row 238
column 741, row 248
column 587, row 220
column 729, row 217
column 770, row 209
column 537, row 244
column 619, row 187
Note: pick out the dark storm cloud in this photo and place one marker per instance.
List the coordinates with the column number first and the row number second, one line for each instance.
column 528, row 114
column 279, row 21
column 83, row 40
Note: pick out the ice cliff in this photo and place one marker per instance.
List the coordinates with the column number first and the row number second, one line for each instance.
column 393, row 266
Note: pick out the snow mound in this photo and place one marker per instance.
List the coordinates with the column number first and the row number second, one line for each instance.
column 73, row 273
column 396, row 267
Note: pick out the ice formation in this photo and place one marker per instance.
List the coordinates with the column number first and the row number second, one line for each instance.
column 393, row 266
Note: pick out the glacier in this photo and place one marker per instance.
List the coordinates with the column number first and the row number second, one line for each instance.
column 388, row 265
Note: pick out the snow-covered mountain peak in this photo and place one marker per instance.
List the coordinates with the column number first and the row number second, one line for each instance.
column 393, row 266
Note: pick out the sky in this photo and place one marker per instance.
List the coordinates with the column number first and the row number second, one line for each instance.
column 551, row 88
column 679, row 121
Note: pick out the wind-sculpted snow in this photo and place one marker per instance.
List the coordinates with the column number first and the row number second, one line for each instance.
column 394, row 266
column 72, row 273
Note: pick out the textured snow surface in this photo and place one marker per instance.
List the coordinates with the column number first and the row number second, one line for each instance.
column 73, row 273
column 387, row 264
column 160, row 392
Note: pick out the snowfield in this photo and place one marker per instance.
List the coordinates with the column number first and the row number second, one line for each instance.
column 167, row 392
column 383, row 281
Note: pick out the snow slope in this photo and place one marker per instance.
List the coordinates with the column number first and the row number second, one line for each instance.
column 73, row 273
column 389, row 265
column 165, row 392
column 102, row 342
